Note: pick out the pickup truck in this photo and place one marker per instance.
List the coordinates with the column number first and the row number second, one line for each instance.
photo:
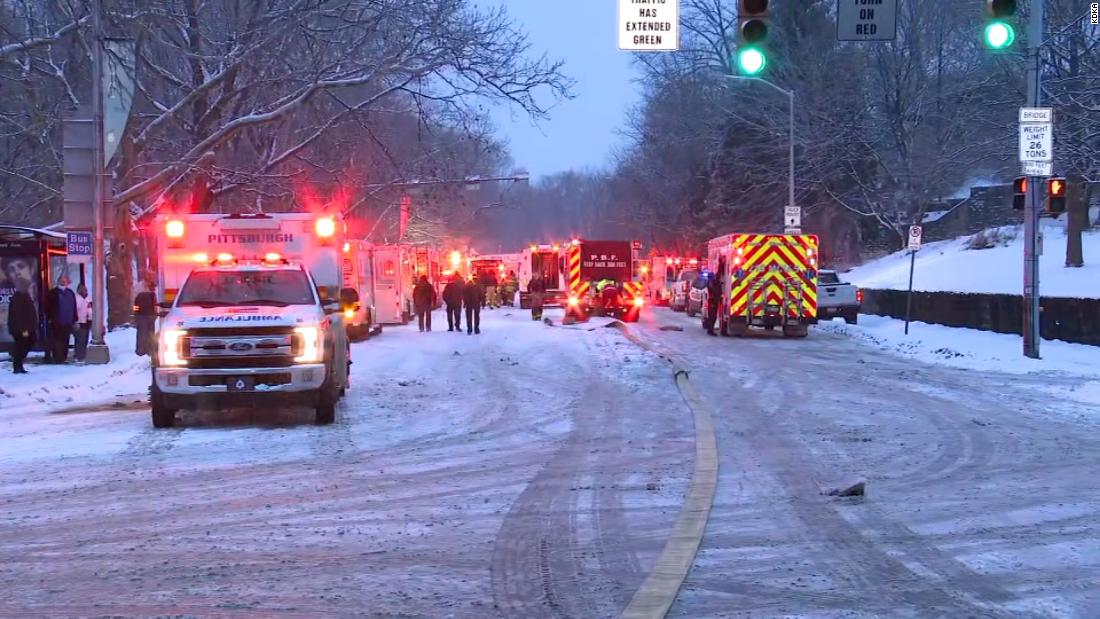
column 249, row 335
column 837, row 298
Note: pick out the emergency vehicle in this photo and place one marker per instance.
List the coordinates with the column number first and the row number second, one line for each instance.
column 249, row 332
column 767, row 280
column 588, row 263
column 186, row 241
column 662, row 277
column 548, row 261
column 358, row 272
column 396, row 269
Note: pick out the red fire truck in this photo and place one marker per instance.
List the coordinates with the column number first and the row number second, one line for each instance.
column 601, row 280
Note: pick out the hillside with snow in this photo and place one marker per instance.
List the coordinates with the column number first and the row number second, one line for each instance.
column 989, row 262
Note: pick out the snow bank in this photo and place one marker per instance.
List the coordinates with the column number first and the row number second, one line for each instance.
column 51, row 387
column 951, row 266
column 968, row 348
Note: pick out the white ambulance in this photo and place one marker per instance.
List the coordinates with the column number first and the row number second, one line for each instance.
column 311, row 240
column 549, row 262
column 244, row 332
column 358, row 274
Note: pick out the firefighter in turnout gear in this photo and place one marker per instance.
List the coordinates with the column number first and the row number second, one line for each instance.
column 714, row 295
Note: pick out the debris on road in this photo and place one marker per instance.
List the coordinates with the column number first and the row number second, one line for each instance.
column 672, row 328
column 855, row 488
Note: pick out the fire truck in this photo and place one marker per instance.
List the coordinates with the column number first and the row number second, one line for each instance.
column 547, row 261
column 590, row 263
column 768, row 280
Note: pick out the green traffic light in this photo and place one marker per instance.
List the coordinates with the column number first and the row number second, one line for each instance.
column 999, row 35
column 751, row 61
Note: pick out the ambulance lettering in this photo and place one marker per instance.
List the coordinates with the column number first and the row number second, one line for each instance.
column 248, row 239
column 223, row 318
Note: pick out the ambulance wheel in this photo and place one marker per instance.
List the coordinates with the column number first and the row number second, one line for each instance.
column 163, row 415
column 325, row 411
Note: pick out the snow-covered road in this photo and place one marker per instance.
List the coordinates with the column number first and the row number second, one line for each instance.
column 537, row 471
column 524, row 471
column 983, row 497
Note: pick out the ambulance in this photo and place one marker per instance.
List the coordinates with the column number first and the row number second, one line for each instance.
column 549, row 262
column 662, row 277
column 358, row 273
column 396, row 269
column 767, row 280
column 314, row 241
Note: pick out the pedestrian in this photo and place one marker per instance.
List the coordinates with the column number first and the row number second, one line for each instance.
column 61, row 304
column 714, row 295
column 145, row 318
column 537, row 289
column 83, row 323
column 508, row 289
column 424, row 299
column 489, row 284
column 452, row 296
column 473, row 295
column 23, row 327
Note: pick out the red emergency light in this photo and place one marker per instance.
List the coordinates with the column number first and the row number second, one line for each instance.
column 203, row 258
column 638, row 301
column 225, row 257
column 272, row 257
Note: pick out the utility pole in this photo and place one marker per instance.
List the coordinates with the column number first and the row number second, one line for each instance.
column 1031, row 204
column 97, row 350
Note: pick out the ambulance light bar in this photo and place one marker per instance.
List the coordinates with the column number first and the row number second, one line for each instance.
column 272, row 257
column 174, row 229
column 200, row 258
column 225, row 258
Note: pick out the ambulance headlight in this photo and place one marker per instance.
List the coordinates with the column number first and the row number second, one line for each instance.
column 171, row 347
column 307, row 345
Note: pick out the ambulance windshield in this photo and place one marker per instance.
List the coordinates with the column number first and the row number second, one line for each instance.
column 229, row 288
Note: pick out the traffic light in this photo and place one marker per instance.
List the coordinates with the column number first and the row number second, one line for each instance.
column 1056, row 194
column 1019, row 193
column 999, row 32
column 752, row 32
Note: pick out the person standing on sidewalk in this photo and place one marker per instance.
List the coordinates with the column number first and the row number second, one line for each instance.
column 145, row 318
column 23, row 327
column 62, row 314
column 83, row 323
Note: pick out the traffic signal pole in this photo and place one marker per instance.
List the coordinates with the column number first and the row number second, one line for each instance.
column 790, row 134
column 1031, row 203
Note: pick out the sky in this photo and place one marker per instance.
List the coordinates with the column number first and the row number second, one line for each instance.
column 582, row 132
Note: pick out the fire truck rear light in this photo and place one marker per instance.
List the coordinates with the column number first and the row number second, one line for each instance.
column 693, row 262
column 225, row 257
column 347, row 247
column 576, row 241
column 574, row 301
column 200, row 258
column 638, row 301
column 272, row 257
column 557, row 247
column 326, row 227
column 174, row 229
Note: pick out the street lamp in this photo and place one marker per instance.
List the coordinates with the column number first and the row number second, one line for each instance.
column 790, row 118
